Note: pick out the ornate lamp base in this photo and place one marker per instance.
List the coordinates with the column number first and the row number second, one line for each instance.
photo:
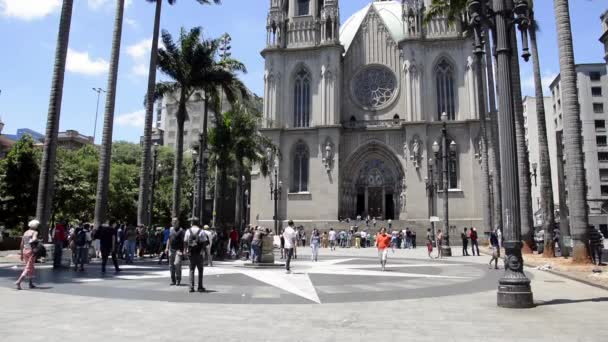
column 514, row 289
column 446, row 251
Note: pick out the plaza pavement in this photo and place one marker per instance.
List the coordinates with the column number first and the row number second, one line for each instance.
column 566, row 310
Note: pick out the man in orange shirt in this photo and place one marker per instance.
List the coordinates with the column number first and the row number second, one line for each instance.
column 383, row 241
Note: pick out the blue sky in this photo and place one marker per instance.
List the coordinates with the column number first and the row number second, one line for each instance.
column 29, row 30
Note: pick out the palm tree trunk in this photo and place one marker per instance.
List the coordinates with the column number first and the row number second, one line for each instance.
column 215, row 199
column 238, row 199
column 179, row 155
column 47, row 166
column 205, row 160
column 103, row 176
column 576, row 181
column 523, row 163
column 144, row 180
column 546, row 189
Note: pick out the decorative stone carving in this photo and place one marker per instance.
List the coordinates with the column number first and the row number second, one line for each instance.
column 327, row 151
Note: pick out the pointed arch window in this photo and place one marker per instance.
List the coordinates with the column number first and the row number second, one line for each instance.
column 300, row 168
column 301, row 99
column 444, row 79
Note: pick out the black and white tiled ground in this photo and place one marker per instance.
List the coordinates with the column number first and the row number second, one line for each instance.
column 331, row 280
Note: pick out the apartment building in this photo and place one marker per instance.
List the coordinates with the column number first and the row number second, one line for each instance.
column 592, row 91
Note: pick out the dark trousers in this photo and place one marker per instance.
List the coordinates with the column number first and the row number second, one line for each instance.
column 289, row 252
column 57, row 254
column 196, row 262
column 474, row 245
column 465, row 245
column 104, row 259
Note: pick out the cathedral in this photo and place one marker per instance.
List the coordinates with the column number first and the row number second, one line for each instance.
column 357, row 111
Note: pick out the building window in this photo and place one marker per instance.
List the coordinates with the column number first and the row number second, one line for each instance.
column 301, row 99
column 596, row 91
column 595, row 76
column 600, row 125
column 303, row 7
column 604, row 175
column 300, row 168
column 452, row 167
column 600, row 140
column 604, row 190
column 444, row 79
column 598, row 108
column 602, row 156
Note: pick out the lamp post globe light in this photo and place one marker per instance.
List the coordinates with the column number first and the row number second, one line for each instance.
column 502, row 19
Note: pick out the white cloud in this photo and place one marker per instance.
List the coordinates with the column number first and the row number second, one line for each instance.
column 135, row 119
column 140, row 49
column 528, row 83
column 28, row 9
column 97, row 4
column 140, row 69
column 131, row 22
column 82, row 63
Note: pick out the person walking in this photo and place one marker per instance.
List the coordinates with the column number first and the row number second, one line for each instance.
column 429, row 242
column 324, row 240
column 315, row 242
column 438, row 244
column 175, row 249
column 256, row 245
column 332, row 239
column 494, row 245
column 82, row 241
column 234, row 241
column 383, row 242
column 195, row 242
column 131, row 240
column 106, row 234
column 474, row 244
column 59, row 239
column 465, row 242
column 596, row 245
column 164, row 252
column 282, row 244
column 212, row 239
column 393, row 241
column 363, row 239
column 413, row 239
column 290, row 237
column 29, row 241
column 303, row 236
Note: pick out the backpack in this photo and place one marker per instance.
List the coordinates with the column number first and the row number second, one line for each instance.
column 197, row 241
column 81, row 237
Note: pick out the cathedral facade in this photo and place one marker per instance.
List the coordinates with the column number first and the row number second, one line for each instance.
column 356, row 110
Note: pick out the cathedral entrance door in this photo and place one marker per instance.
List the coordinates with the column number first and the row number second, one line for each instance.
column 375, row 197
column 389, row 208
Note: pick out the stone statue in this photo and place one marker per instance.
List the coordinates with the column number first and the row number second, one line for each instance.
column 416, row 152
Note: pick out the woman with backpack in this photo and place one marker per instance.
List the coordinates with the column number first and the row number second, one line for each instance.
column 315, row 242
column 29, row 242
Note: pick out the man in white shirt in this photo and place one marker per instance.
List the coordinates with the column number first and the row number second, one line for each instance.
column 363, row 239
column 332, row 239
column 290, row 237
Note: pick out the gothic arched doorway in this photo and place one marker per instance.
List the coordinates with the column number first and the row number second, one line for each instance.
column 372, row 183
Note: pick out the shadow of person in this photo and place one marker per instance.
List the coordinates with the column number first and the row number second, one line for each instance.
column 572, row 301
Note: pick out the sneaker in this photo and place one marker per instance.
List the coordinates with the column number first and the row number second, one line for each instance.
column 201, row 289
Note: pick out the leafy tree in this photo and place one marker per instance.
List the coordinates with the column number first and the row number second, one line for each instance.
column 19, row 173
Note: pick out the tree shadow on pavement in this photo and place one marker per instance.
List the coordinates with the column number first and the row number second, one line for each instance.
column 571, row 301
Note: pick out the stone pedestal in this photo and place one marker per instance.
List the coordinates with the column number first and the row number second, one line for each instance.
column 267, row 250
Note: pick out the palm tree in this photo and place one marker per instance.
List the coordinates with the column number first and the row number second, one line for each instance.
column 103, row 176
column 546, row 189
column 47, row 166
column 191, row 65
column 144, row 181
column 576, row 181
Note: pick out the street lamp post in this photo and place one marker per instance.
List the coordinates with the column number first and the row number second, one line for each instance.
column 276, row 187
column 514, row 289
column 154, row 158
column 431, row 186
column 445, row 246
column 196, row 186
column 98, row 91
column 534, row 174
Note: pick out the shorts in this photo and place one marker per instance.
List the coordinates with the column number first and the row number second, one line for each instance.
column 383, row 254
